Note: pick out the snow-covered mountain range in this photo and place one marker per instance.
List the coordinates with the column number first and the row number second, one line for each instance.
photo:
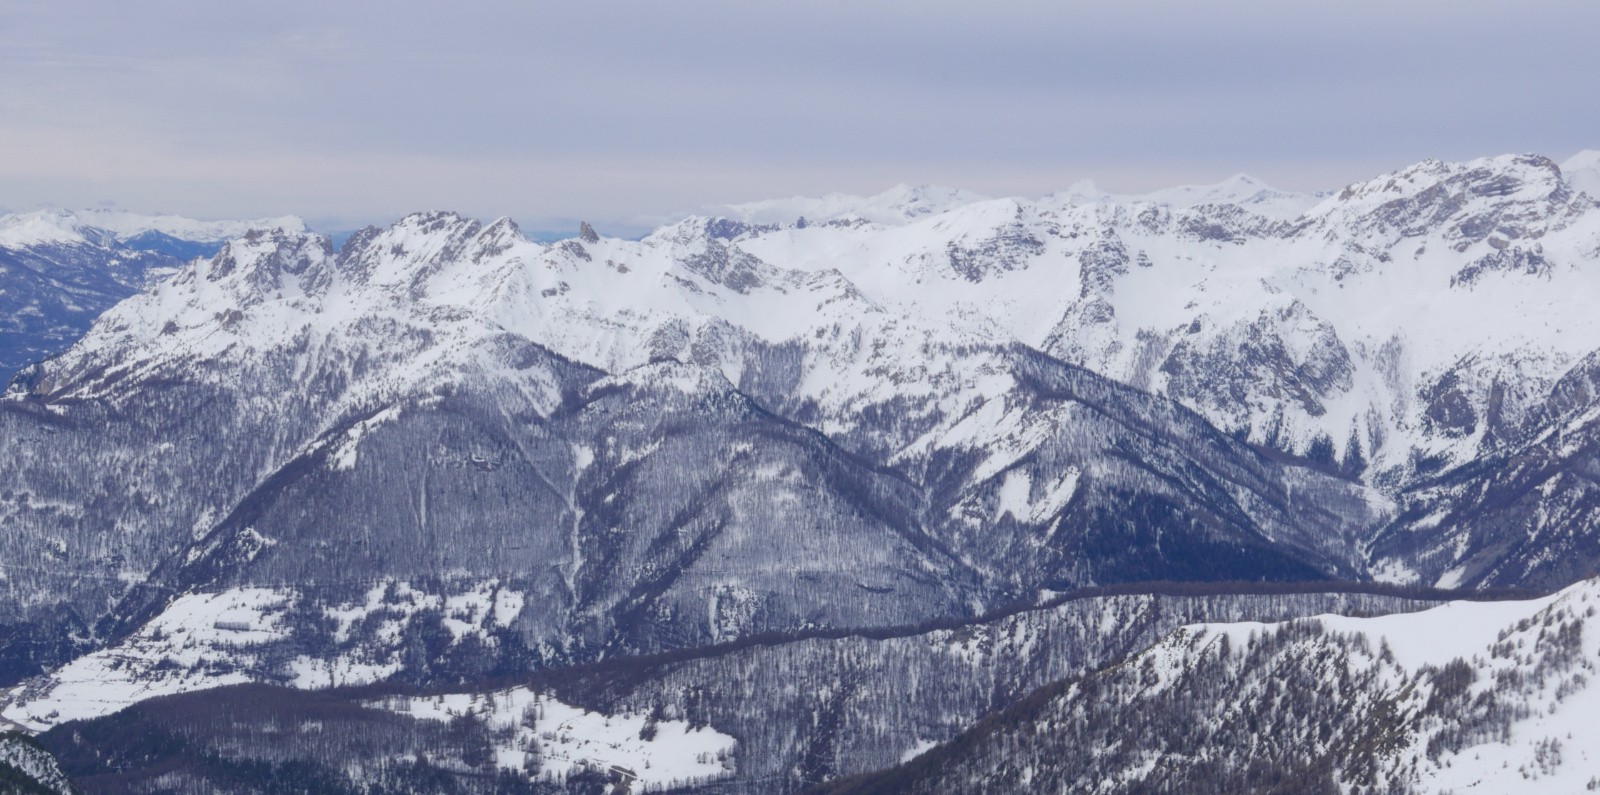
column 445, row 453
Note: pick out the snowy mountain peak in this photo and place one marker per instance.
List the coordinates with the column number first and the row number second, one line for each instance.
column 1240, row 189
column 416, row 247
column 499, row 236
column 1587, row 159
column 910, row 409
column 917, row 201
column 268, row 261
column 1237, row 189
column 432, row 222
column 1084, row 191
column 1502, row 176
column 695, row 228
column 40, row 228
column 1582, row 171
column 896, row 206
column 1510, row 197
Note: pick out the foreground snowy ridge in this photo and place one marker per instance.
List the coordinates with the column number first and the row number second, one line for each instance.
column 1467, row 697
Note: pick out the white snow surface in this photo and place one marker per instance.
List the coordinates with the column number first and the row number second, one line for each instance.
column 207, row 640
column 566, row 738
column 198, row 642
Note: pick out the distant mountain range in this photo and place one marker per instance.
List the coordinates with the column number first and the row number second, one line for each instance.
column 822, row 435
column 59, row 270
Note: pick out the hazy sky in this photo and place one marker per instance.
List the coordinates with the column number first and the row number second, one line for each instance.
column 624, row 112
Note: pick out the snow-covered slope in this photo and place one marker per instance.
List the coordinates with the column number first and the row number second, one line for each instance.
column 1469, row 697
column 560, row 739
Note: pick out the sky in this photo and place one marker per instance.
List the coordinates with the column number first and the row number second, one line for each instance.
column 630, row 113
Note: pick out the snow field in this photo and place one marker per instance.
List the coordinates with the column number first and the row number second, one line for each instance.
column 565, row 739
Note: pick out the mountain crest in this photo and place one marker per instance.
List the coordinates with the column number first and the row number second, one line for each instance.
column 265, row 263
column 1512, row 196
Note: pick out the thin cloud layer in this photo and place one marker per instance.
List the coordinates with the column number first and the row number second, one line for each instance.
column 628, row 111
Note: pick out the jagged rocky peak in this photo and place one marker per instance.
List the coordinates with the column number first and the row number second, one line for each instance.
column 497, row 238
column 1285, row 359
column 61, row 269
column 423, row 234
column 1498, row 176
column 721, row 228
column 691, row 231
column 1100, row 264
column 1508, row 197
column 991, row 237
column 261, row 265
column 419, row 245
column 269, row 293
column 264, row 260
column 728, row 266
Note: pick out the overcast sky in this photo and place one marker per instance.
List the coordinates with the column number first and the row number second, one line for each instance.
column 624, row 112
